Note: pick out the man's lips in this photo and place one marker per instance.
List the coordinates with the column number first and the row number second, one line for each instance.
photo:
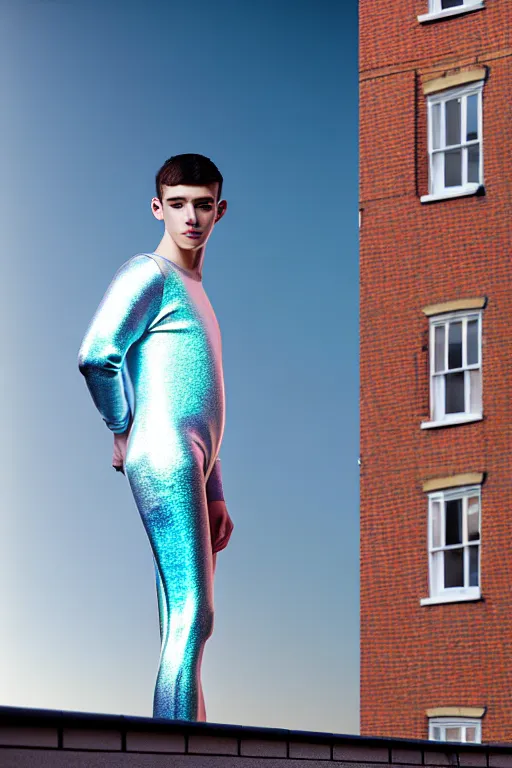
column 192, row 233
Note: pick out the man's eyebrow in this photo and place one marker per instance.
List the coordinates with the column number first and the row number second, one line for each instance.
column 195, row 200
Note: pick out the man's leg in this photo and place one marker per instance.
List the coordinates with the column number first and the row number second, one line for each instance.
column 162, row 605
column 201, row 715
column 173, row 508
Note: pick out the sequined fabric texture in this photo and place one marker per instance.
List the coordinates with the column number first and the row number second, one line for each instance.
column 151, row 358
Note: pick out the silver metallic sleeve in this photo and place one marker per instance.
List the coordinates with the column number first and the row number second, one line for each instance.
column 214, row 489
column 130, row 302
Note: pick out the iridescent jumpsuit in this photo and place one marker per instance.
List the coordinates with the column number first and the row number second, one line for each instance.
column 151, row 357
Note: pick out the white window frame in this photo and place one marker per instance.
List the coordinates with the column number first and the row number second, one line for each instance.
column 437, row 190
column 435, row 11
column 455, row 722
column 440, row 594
column 438, row 416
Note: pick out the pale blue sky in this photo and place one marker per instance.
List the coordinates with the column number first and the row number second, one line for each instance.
column 95, row 98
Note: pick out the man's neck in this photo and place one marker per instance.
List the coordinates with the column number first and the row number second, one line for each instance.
column 191, row 260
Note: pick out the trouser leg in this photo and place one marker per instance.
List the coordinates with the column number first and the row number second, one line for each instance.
column 173, row 508
column 162, row 603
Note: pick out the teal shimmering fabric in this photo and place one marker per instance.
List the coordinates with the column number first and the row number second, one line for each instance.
column 152, row 361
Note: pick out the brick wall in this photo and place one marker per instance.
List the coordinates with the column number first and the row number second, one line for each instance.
column 412, row 254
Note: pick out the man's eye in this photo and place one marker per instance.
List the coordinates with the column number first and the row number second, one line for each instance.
column 206, row 206
column 176, row 205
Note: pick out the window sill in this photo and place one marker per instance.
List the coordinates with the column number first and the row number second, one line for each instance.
column 466, row 418
column 470, row 189
column 471, row 593
column 457, row 11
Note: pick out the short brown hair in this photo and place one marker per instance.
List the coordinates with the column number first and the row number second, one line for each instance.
column 188, row 169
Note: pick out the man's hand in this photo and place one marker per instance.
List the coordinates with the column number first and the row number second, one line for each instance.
column 221, row 525
column 120, row 443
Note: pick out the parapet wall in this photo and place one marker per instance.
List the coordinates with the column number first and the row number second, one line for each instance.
column 53, row 739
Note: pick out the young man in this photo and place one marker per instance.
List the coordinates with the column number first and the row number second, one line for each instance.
column 151, row 358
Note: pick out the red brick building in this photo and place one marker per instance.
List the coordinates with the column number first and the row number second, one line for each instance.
column 436, row 369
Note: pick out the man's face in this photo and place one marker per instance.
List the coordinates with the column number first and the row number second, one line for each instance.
column 189, row 212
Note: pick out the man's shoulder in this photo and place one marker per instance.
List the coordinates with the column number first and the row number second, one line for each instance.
column 142, row 262
column 139, row 258
column 158, row 262
column 145, row 269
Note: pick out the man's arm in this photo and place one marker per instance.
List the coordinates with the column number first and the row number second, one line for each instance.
column 130, row 302
column 221, row 525
column 214, row 489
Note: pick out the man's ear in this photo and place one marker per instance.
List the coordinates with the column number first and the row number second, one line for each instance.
column 221, row 210
column 156, row 208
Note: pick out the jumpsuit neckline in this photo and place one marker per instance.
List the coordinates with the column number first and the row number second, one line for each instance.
column 188, row 272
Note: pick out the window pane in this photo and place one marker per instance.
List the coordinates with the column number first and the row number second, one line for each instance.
column 472, row 118
column 439, row 334
column 455, row 345
column 472, row 351
column 453, row 734
column 437, row 572
column 452, row 168
column 454, row 383
column 452, row 116
column 475, row 394
column 453, row 568
column 436, row 126
column 438, row 395
column 471, row 733
column 473, row 566
column 453, row 512
column 473, row 518
column 436, row 733
column 451, row 3
column 436, row 523
column 474, row 163
column 437, row 170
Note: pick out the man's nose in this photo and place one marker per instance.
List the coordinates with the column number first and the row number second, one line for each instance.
column 191, row 213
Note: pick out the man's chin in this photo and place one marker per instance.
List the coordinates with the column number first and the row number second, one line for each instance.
column 189, row 243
